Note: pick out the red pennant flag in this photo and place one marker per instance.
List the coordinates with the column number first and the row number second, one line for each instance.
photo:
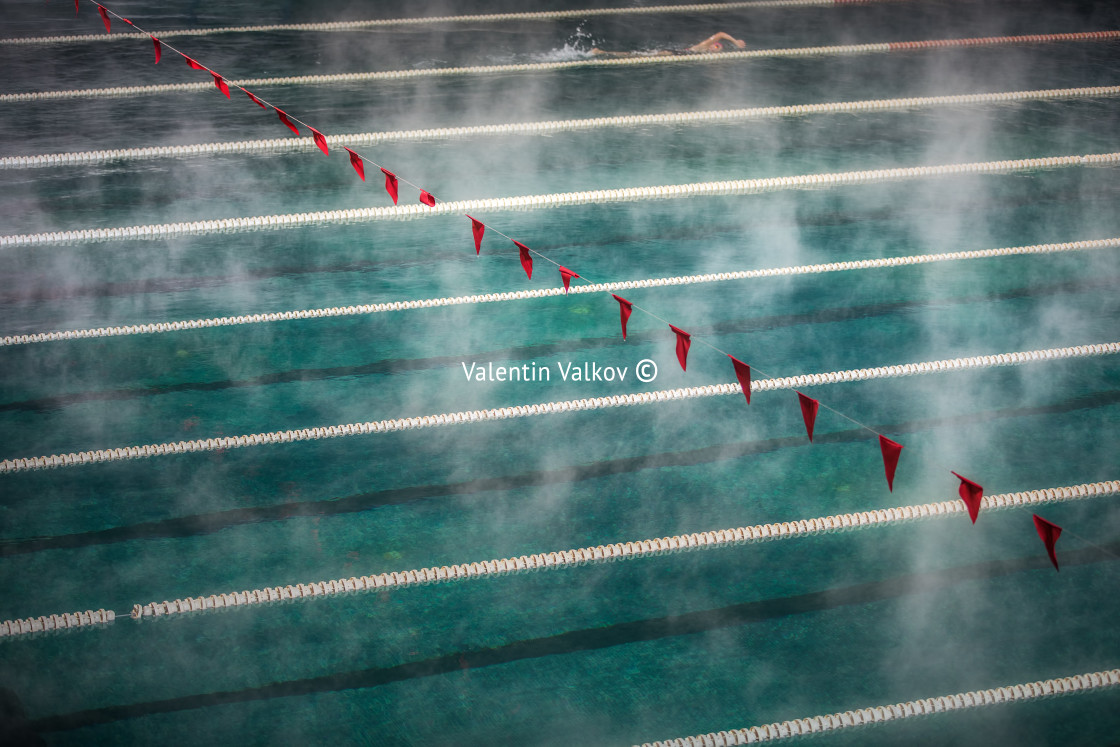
column 1049, row 534
column 970, row 493
column 684, row 340
column 285, row 120
column 319, row 140
column 477, row 228
column 743, row 374
column 624, row 309
column 194, row 65
column 390, row 184
column 809, row 408
column 357, row 163
column 526, row 259
column 256, row 101
column 427, row 199
column 104, row 17
column 891, row 450
column 75, row 7
column 159, row 49
column 220, row 82
column 567, row 276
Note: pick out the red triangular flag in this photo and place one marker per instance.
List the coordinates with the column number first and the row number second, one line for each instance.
column 809, row 407
column 526, row 259
column 970, row 493
column 104, row 16
column 75, row 7
column 743, row 374
column 159, row 49
column 256, row 101
column 477, row 228
column 427, row 199
column 285, row 120
column 390, row 184
column 357, row 163
column 624, row 309
column 220, row 82
column 319, row 140
column 194, row 65
column 684, row 340
column 891, row 450
column 1049, row 534
column 567, row 276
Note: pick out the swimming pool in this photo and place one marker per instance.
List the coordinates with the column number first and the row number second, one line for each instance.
column 654, row 647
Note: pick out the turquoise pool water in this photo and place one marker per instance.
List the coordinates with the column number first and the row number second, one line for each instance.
column 617, row 653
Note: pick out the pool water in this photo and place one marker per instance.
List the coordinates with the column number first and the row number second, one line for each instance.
column 613, row 653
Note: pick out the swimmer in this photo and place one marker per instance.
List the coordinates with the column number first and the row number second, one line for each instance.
column 714, row 43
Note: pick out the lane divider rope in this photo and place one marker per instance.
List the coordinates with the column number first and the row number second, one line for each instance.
column 695, row 541
column 623, row 550
column 48, row 623
column 528, row 67
column 535, row 202
column 554, row 15
column 909, row 709
column 307, row 144
column 801, row 381
column 375, row 308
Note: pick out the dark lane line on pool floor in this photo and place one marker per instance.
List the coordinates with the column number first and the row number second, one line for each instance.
column 201, row 524
column 807, row 216
column 590, row 639
column 530, row 352
column 31, row 293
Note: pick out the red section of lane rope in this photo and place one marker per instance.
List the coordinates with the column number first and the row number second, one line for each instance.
column 993, row 40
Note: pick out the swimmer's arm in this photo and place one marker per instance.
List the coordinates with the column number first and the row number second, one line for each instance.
column 717, row 37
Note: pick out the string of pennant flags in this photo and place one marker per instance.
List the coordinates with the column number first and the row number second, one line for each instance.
column 970, row 492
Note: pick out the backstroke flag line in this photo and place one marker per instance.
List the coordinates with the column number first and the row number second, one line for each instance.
column 970, row 492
